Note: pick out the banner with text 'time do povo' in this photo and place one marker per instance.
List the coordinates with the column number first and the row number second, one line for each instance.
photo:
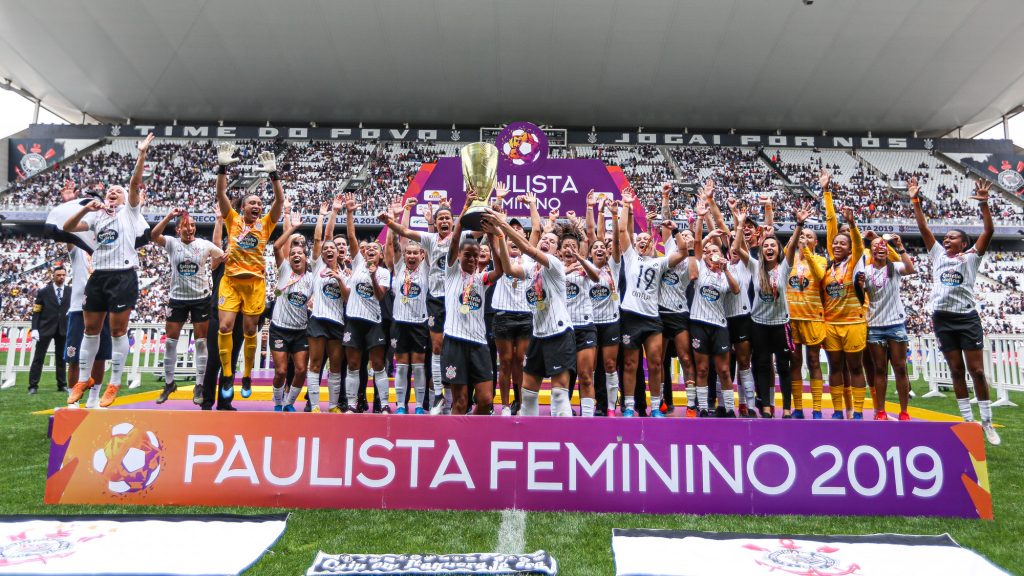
column 720, row 466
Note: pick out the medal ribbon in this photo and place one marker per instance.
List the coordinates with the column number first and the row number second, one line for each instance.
column 611, row 281
column 538, row 283
column 468, row 287
column 407, row 283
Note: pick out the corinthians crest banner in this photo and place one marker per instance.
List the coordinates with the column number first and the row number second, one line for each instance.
column 530, row 463
column 29, row 156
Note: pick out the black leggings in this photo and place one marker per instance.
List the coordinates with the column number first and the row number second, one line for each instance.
column 768, row 343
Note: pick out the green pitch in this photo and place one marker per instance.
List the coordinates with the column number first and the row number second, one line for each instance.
column 580, row 542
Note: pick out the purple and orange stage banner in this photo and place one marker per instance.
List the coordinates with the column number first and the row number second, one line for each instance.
column 663, row 466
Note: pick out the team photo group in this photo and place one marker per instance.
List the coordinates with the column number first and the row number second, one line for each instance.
column 611, row 317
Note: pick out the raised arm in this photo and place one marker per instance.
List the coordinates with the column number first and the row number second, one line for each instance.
column 769, row 211
column 626, row 219
column 291, row 224
column 157, row 234
column 268, row 164
column 831, row 220
column 908, row 262
column 981, row 191
column 453, row 247
column 350, row 226
column 739, row 243
column 407, row 208
column 616, row 245
column 734, row 286
column 535, row 223
column 524, row 244
column 922, row 222
column 75, row 224
column 600, row 232
column 856, row 241
column 225, row 158
column 218, row 227
column 135, row 185
column 590, row 224
column 491, row 226
column 318, row 230
column 708, row 195
column 801, row 215
column 698, row 240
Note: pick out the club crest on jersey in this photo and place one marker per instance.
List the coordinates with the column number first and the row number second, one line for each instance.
column 297, row 299
column 600, row 293
column 799, row 282
column 107, row 236
column 188, row 268
column 572, row 290
column 363, row 289
column 670, row 278
column 951, row 278
column 248, row 242
column 332, row 291
column 835, row 290
column 450, row 372
column 474, row 301
column 710, row 293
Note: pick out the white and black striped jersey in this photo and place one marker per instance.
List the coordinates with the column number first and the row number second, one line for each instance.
column 115, row 237
column 739, row 304
column 953, row 280
column 643, row 282
column 709, row 290
column 674, row 282
column 328, row 303
column 509, row 291
column 291, row 305
column 81, row 269
column 577, row 297
column 362, row 302
column 885, row 308
column 190, row 267
column 410, row 288
column 604, row 294
column 437, row 257
column 465, row 312
column 546, row 296
column 770, row 307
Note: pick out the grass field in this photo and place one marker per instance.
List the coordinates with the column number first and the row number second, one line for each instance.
column 580, row 542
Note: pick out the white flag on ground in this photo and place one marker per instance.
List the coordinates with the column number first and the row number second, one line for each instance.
column 685, row 553
column 474, row 563
column 125, row 544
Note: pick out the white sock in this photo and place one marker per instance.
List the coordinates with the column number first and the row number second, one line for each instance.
column 448, row 398
column 87, row 356
column 691, row 395
column 401, row 383
column 278, row 395
column 729, row 400
column 419, row 384
column 170, row 359
column 313, row 387
column 655, row 403
column 721, row 394
column 380, row 385
column 587, row 407
column 747, row 385
column 611, row 385
column 333, row 389
column 201, row 356
column 435, row 371
column 985, row 408
column 118, row 354
column 702, row 398
column 965, row 409
column 530, row 405
column 94, row 397
column 560, row 402
column 630, row 402
column 293, row 395
column 352, row 387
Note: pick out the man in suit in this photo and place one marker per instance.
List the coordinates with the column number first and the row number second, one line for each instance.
column 50, row 324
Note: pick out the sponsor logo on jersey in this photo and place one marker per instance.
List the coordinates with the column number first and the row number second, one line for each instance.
column 297, row 299
column 670, row 278
column 331, row 290
column 107, row 236
column 572, row 290
column 951, row 278
column 600, row 293
column 835, row 290
column 531, row 295
column 710, row 293
column 249, row 242
column 188, row 268
column 799, row 282
column 474, row 301
column 363, row 289
column 414, row 290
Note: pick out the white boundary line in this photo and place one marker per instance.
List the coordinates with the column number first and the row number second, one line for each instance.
column 512, row 532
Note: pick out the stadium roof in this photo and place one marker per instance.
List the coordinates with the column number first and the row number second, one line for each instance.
column 842, row 65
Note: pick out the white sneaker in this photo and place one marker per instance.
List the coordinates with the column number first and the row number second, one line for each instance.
column 438, row 406
column 991, row 434
column 506, row 411
column 911, row 394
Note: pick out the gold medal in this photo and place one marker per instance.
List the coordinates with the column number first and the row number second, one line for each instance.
column 515, row 283
column 542, row 305
column 464, row 309
column 615, row 295
column 405, row 299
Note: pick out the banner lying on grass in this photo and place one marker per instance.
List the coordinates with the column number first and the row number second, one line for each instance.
column 124, row 544
column 701, row 466
column 484, row 563
column 715, row 553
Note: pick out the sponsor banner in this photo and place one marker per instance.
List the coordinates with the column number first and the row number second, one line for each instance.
column 125, row 544
column 28, row 156
column 530, row 463
column 910, row 230
column 644, row 552
column 1005, row 170
column 473, row 134
column 537, row 563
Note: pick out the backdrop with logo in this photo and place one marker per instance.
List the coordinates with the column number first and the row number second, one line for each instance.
column 29, row 156
column 1007, row 170
column 531, row 463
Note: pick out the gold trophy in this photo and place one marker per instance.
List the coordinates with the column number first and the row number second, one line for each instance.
column 480, row 173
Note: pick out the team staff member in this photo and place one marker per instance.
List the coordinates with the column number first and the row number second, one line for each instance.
column 244, row 285
column 958, row 329
column 113, row 288
column 50, row 324
column 190, row 292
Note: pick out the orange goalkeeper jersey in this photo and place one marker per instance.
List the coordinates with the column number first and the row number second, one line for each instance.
column 246, row 245
column 803, row 289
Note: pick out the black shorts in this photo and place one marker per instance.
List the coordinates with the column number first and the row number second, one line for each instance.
column 363, row 334
column 772, row 339
column 287, row 340
column 608, row 334
column 76, row 331
column 672, row 323
column 513, row 325
column 709, row 339
column 741, row 328
column 321, row 328
column 181, row 310
column 465, row 363
column 546, row 357
column 958, row 331
column 111, row 291
column 435, row 314
column 406, row 338
column 586, row 337
column 636, row 328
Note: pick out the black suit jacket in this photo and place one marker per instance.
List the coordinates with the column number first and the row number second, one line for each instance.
column 50, row 318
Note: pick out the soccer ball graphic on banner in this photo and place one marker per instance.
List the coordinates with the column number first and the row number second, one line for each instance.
column 130, row 460
column 522, row 148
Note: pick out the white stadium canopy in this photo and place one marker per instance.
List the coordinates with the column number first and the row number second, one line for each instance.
column 842, row 65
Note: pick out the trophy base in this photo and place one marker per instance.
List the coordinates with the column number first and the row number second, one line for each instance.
column 472, row 218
